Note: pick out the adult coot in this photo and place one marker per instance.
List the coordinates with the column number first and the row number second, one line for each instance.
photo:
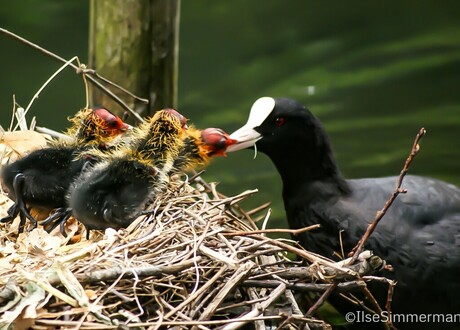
column 419, row 236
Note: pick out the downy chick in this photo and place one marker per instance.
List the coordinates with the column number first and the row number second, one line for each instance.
column 42, row 178
column 200, row 146
column 115, row 191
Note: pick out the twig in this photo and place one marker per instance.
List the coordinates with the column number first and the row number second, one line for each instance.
column 93, row 72
column 21, row 119
column 217, row 276
column 67, row 63
column 295, row 310
column 107, row 275
column 182, row 323
column 14, row 111
column 305, row 254
column 254, row 296
column 294, row 232
column 370, row 229
column 362, row 267
column 53, row 133
column 321, row 300
column 376, row 305
column 372, row 299
column 258, row 209
column 78, row 70
column 305, row 287
column 391, row 286
column 232, row 282
column 256, row 312
column 357, row 302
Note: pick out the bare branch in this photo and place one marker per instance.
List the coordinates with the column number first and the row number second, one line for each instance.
column 370, row 229
column 89, row 74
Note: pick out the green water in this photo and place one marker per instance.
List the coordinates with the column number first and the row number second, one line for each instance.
column 374, row 72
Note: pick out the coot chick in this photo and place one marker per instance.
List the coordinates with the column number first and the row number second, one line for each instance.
column 42, row 178
column 115, row 191
column 200, row 146
column 419, row 236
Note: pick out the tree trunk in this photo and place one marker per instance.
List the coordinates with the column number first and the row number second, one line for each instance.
column 134, row 43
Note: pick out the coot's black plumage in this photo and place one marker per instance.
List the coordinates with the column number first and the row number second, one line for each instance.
column 419, row 236
column 42, row 178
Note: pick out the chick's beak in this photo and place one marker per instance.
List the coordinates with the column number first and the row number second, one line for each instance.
column 246, row 137
column 216, row 141
column 125, row 127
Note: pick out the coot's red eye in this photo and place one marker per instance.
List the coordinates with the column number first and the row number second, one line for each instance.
column 280, row 121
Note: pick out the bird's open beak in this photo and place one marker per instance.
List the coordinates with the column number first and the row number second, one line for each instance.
column 246, row 137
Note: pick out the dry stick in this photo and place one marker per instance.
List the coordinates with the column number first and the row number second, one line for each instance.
column 259, row 324
column 67, row 63
column 78, row 70
column 216, row 194
column 232, row 282
column 357, row 302
column 310, row 273
column 391, row 286
column 370, row 229
column 14, row 112
column 321, row 300
column 179, row 313
column 295, row 310
column 342, row 287
column 380, row 214
column 305, row 254
column 191, row 298
column 10, row 290
column 258, row 208
column 388, row 323
column 191, row 179
column 53, row 133
column 256, row 312
column 244, row 303
column 93, row 72
column 20, row 114
column 93, row 325
column 389, row 297
column 294, row 232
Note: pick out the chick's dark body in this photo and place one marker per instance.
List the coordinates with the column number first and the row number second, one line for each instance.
column 42, row 178
column 47, row 174
column 116, row 191
column 109, row 195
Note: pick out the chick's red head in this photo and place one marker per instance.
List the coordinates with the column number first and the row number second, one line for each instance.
column 179, row 116
column 109, row 124
column 216, row 141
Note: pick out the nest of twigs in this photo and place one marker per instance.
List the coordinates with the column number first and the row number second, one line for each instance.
column 194, row 259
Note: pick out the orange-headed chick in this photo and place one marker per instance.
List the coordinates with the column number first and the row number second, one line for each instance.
column 200, row 146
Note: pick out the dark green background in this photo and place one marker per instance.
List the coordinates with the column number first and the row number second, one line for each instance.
column 380, row 70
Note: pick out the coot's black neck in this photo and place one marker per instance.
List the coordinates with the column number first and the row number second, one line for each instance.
column 305, row 166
